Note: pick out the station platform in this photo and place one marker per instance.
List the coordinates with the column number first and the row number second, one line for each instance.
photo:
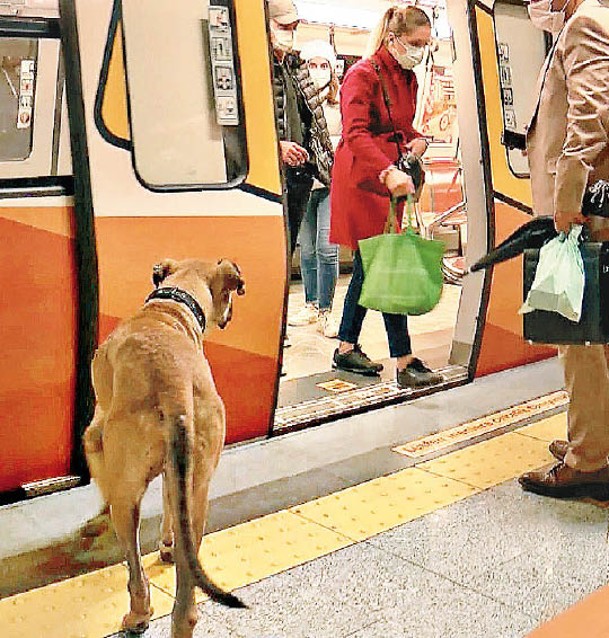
column 405, row 522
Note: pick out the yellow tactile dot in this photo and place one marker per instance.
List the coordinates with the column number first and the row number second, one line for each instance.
column 554, row 427
column 252, row 551
column 365, row 510
column 492, row 462
column 89, row 606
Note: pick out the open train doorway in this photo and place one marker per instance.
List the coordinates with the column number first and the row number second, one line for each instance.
column 310, row 390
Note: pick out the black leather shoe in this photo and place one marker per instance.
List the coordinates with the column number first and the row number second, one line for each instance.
column 356, row 361
column 417, row 375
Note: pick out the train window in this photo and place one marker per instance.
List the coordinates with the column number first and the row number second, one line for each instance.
column 521, row 49
column 18, row 58
column 186, row 123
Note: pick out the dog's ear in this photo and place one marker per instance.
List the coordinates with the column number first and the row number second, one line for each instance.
column 230, row 275
column 162, row 270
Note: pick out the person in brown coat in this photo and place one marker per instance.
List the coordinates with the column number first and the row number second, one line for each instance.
column 568, row 149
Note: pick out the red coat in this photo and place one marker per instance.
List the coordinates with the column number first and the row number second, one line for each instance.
column 359, row 202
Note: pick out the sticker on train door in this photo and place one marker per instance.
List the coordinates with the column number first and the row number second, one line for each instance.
column 26, row 94
column 223, row 66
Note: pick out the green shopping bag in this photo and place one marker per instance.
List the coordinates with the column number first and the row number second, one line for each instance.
column 402, row 271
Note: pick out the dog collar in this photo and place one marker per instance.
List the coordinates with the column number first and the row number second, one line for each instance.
column 181, row 296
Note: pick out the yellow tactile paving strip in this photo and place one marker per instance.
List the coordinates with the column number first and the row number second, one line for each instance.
column 376, row 506
column 255, row 550
column 92, row 606
column 492, row 462
column 87, row 606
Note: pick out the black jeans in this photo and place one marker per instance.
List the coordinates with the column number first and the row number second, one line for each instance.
column 299, row 190
column 353, row 316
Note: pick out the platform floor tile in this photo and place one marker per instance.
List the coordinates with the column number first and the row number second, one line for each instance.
column 351, row 591
column 92, row 606
column 475, row 541
column 568, row 562
column 370, row 508
column 492, row 462
column 82, row 607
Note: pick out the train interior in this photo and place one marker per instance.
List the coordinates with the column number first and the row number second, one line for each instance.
column 441, row 213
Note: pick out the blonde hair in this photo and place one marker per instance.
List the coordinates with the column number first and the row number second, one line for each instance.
column 399, row 20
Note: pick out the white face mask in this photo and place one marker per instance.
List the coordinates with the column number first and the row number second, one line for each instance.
column 410, row 55
column 544, row 18
column 283, row 39
column 321, row 77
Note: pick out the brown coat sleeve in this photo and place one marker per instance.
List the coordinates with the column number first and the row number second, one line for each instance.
column 586, row 66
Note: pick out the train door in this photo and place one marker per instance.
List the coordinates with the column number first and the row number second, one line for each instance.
column 499, row 54
column 39, row 270
column 172, row 116
column 310, row 390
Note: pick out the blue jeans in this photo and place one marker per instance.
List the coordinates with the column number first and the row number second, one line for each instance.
column 318, row 257
column 353, row 316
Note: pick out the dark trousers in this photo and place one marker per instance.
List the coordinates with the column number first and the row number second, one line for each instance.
column 299, row 189
column 353, row 316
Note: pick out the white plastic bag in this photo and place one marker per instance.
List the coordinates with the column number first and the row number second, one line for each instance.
column 559, row 279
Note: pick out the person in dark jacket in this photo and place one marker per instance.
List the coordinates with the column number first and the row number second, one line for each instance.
column 365, row 176
column 306, row 149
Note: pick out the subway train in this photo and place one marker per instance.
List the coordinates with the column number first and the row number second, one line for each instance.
column 131, row 132
column 120, row 148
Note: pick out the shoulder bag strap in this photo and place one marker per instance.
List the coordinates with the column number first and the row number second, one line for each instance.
column 387, row 101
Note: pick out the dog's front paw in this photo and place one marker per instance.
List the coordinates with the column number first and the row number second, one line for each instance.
column 166, row 552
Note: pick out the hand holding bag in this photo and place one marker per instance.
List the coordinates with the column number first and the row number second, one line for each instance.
column 402, row 270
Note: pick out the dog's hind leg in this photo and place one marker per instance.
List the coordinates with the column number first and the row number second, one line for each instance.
column 94, row 452
column 166, row 544
column 94, row 448
column 127, row 480
column 125, row 510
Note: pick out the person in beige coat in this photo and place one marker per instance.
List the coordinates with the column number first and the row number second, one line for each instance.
column 568, row 149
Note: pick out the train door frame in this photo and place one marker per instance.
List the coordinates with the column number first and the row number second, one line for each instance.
column 479, row 95
column 55, row 182
column 251, row 206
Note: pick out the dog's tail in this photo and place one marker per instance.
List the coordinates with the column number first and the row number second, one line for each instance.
column 180, row 455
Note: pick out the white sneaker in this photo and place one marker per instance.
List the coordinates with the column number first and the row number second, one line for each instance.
column 327, row 325
column 305, row 316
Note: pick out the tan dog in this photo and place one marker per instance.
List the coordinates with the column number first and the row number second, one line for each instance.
column 158, row 411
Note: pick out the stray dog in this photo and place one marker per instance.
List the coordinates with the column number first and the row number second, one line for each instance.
column 158, row 411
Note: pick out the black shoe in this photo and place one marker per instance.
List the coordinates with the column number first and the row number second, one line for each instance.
column 417, row 375
column 355, row 361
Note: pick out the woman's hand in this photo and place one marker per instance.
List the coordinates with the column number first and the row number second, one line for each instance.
column 417, row 146
column 399, row 183
column 293, row 154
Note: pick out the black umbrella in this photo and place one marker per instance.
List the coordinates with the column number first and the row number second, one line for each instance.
column 533, row 234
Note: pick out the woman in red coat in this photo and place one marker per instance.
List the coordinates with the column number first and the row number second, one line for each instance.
column 364, row 176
